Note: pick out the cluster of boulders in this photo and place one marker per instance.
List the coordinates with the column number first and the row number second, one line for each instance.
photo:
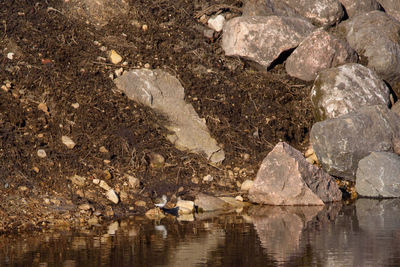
column 357, row 136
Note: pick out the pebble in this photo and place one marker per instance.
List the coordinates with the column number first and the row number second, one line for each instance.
column 4, row 88
column 185, row 206
column 23, row 188
column 140, row 203
column 75, row 105
column 156, row 160
column 147, row 66
column 43, row 107
column 195, row 180
column 114, row 57
column 246, row 185
column 239, row 198
column 118, row 72
column 68, row 142
column 112, row 196
column 208, row 178
column 133, row 181
column 104, row 185
column 10, row 55
column 145, row 27
column 78, row 180
column 103, row 149
column 309, row 152
column 85, row 206
column 96, row 181
column 245, row 156
column 216, row 23
column 41, row 153
column 109, row 211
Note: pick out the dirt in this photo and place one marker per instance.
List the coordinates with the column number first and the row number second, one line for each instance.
column 59, row 61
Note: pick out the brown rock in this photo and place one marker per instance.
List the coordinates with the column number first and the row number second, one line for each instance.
column 319, row 51
column 286, row 178
column 210, row 203
column 354, row 8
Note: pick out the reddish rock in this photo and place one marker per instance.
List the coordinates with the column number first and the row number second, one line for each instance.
column 319, row 51
column 286, row 178
column 263, row 39
column 392, row 7
column 354, row 8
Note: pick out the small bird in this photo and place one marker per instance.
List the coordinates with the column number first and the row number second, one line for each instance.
column 160, row 202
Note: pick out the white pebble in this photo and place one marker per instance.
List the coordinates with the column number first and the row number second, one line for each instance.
column 10, row 55
column 68, row 142
column 41, row 153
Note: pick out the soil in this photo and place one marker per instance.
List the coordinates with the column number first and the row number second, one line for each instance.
column 59, row 61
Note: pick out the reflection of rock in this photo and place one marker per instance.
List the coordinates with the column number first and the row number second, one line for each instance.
column 378, row 215
column 279, row 228
column 196, row 251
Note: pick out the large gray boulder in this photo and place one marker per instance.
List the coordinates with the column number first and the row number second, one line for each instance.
column 354, row 8
column 319, row 51
column 263, row 39
column 392, row 7
column 338, row 91
column 376, row 36
column 268, row 8
column 342, row 142
column 320, row 12
column 286, row 178
column 378, row 175
column 165, row 94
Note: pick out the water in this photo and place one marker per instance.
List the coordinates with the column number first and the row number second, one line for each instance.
column 365, row 233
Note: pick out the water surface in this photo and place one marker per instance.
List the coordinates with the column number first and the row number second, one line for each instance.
column 365, row 233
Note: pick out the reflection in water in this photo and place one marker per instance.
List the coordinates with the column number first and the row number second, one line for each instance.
column 366, row 233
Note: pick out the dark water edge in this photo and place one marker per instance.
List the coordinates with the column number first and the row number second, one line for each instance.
column 364, row 233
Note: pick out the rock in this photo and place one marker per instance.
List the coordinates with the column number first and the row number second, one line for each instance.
column 23, row 188
column 78, row 180
column 286, row 178
column 75, row 105
column 396, row 108
column 210, row 203
column 109, row 212
column 378, row 175
column 97, row 12
column 68, row 142
column 43, row 107
column 85, row 206
column 216, row 23
column 354, row 8
column 133, row 181
column 164, row 93
column 268, row 8
column 154, row 214
column 208, row 178
column 112, row 196
column 103, row 184
column 114, row 57
column 340, row 90
column 263, row 39
column 156, row 160
column 233, row 202
column 246, row 185
column 319, row 51
column 342, row 142
column 96, row 181
column 103, row 149
column 41, row 153
column 368, row 31
column 286, row 224
column 239, row 198
column 140, row 203
column 320, row 12
column 113, row 228
column 392, row 7
column 185, row 206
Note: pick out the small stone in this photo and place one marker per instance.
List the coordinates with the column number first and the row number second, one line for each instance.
column 96, row 181
column 140, row 203
column 245, row 156
column 10, row 55
column 104, row 185
column 85, row 206
column 68, row 142
column 112, row 196
column 154, row 214
column 208, row 178
column 107, row 161
column 4, row 88
column 231, row 174
column 156, row 160
column 246, row 185
column 102, row 149
column 185, row 206
column 78, row 180
column 43, row 107
column 118, row 72
column 75, row 105
column 195, row 180
column 180, row 189
column 46, row 201
column 40, row 135
column 216, row 23
column 23, row 188
column 41, row 153
column 239, row 198
column 209, row 33
column 114, row 57
column 147, row 66
column 145, row 27
column 93, row 221
column 109, row 212
column 309, row 152
column 133, row 181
